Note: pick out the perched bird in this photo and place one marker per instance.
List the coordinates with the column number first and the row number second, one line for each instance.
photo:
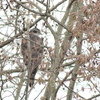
column 32, row 51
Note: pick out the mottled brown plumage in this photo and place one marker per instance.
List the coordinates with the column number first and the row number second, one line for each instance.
column 32, row 51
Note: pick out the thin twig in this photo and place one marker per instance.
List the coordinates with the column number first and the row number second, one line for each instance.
column 14, row 37
column 40, row 93
column 74, row 92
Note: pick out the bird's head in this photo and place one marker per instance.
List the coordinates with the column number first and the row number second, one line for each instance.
column 35, row 31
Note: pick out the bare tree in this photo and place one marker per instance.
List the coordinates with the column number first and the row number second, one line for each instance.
column 71, row 51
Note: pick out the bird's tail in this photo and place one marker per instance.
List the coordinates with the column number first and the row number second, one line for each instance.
column 32, row 74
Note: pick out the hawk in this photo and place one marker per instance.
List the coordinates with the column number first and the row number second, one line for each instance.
column 32, row 51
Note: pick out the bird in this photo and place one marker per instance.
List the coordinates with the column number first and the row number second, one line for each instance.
column 32, row 51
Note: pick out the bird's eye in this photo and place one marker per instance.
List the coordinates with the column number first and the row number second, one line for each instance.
column 36, row 30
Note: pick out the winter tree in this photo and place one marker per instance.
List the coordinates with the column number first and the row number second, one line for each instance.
column 70, row 68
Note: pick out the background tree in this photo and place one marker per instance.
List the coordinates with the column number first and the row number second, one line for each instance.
column 71, row 64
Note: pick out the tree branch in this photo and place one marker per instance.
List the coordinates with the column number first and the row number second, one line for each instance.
column 59, row 3
column 57, row 21
column 11, row 71
column 14, row 37
column 63, row 81
column 42, row 14
column 94, row 97
column 74, row 92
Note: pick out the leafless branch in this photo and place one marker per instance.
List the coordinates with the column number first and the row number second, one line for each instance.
column 63, row 80
column 11, row 71
column 57, row 21
column 59, row 3
column 74, row 92
column 40, row 92
column 14, row 37
column 42, row 14
column 94, row 97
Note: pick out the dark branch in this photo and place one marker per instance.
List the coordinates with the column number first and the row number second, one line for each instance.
column 42, row 14
column 11, row 71
column 12, row 38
